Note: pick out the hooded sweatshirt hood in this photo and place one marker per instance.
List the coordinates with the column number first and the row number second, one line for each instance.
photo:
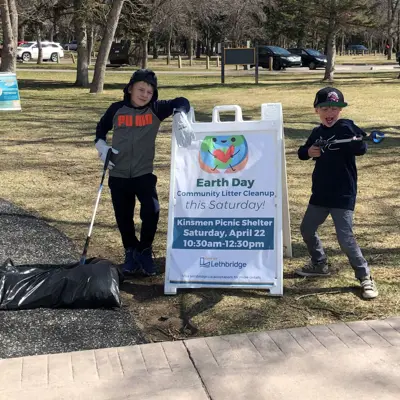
column 142, row 75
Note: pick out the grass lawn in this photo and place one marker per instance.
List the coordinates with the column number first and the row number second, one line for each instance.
column 378, row 59
column 50, row 167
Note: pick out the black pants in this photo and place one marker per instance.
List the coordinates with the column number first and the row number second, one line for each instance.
column 124, row 192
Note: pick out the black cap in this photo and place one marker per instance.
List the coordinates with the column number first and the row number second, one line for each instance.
column 143, row 75
column 329, row 96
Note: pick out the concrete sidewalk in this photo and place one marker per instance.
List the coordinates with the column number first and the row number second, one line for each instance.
column 339, row 361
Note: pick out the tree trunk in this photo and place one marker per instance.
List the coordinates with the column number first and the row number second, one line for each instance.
column 39, row 44
column 56, row 17
column 330, row 41
column 390, row 49
column 342, row 48
column 155, row 49
column 398, row 31
column 21, row 34
column 190, row 41
column 145, row 52
column 392, row 9
column 105, row 46
column 82, row 73
column 388, row 33
column 331, row 55
column 9, row 21
column 198, row 49
column 211, row 50
column 169, row 46
column 14, row 20
column 90, row 40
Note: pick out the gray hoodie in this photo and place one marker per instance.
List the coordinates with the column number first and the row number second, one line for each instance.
column 134, row 133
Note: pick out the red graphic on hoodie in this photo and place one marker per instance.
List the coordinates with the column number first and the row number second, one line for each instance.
column 140, row 120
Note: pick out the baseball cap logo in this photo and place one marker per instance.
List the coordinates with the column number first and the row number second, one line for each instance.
column 333, row 97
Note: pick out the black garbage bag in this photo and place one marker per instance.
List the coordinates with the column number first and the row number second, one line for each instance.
column 92, row 285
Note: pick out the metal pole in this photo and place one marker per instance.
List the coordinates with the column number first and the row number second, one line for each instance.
column 222, row 63
column 256, row 61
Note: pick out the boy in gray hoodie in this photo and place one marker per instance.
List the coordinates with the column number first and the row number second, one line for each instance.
column 135, row 122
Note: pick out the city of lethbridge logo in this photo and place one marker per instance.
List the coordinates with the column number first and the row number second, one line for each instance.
column 213, row 262
column 227, row 154
column 333, row 96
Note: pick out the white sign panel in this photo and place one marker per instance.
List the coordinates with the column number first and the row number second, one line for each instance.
column 225, row 216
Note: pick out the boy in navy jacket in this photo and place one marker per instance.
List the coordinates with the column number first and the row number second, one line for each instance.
column 135, row 122
column 334, row 188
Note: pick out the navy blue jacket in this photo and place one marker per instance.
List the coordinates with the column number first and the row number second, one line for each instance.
column 334, row 179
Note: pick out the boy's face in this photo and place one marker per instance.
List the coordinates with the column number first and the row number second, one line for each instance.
column 141, row 93
column 328, row 115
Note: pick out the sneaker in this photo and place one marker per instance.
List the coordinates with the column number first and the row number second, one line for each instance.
column 368, row 288
column 145, row 260
column 130, row 265
column 314, row 269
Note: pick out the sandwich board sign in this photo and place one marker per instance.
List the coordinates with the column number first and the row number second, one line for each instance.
column 9, row 94
column 228, row 222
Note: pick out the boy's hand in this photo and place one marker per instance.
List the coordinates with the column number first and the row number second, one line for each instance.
column 102, row 148
column 182, row 129
column 314, row 151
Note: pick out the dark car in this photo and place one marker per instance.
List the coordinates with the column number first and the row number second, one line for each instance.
column 310, row 58
column 357, row 49
column 72, row 45
column 281, row 58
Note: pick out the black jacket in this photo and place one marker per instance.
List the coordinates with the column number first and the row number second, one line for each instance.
column 334, row 179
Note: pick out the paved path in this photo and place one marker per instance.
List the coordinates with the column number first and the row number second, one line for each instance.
column 358, row 360
column 28, row 240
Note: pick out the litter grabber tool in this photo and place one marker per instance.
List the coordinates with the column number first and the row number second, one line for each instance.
column 85, row 249
column 375, row 137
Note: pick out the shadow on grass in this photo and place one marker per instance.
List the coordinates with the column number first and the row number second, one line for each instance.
column 60, row 140
column 142, row 291
column 145, row 289
column 39, row 85
column 291, row 291
column 299, row 249
column 82, row 224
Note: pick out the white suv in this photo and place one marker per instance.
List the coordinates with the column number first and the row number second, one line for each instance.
column 30, row 51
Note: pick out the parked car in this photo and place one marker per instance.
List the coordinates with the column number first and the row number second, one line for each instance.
column 357, row 48
column 310, row 58
column 281, row 57
column 30, row 51
column 72, row 45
